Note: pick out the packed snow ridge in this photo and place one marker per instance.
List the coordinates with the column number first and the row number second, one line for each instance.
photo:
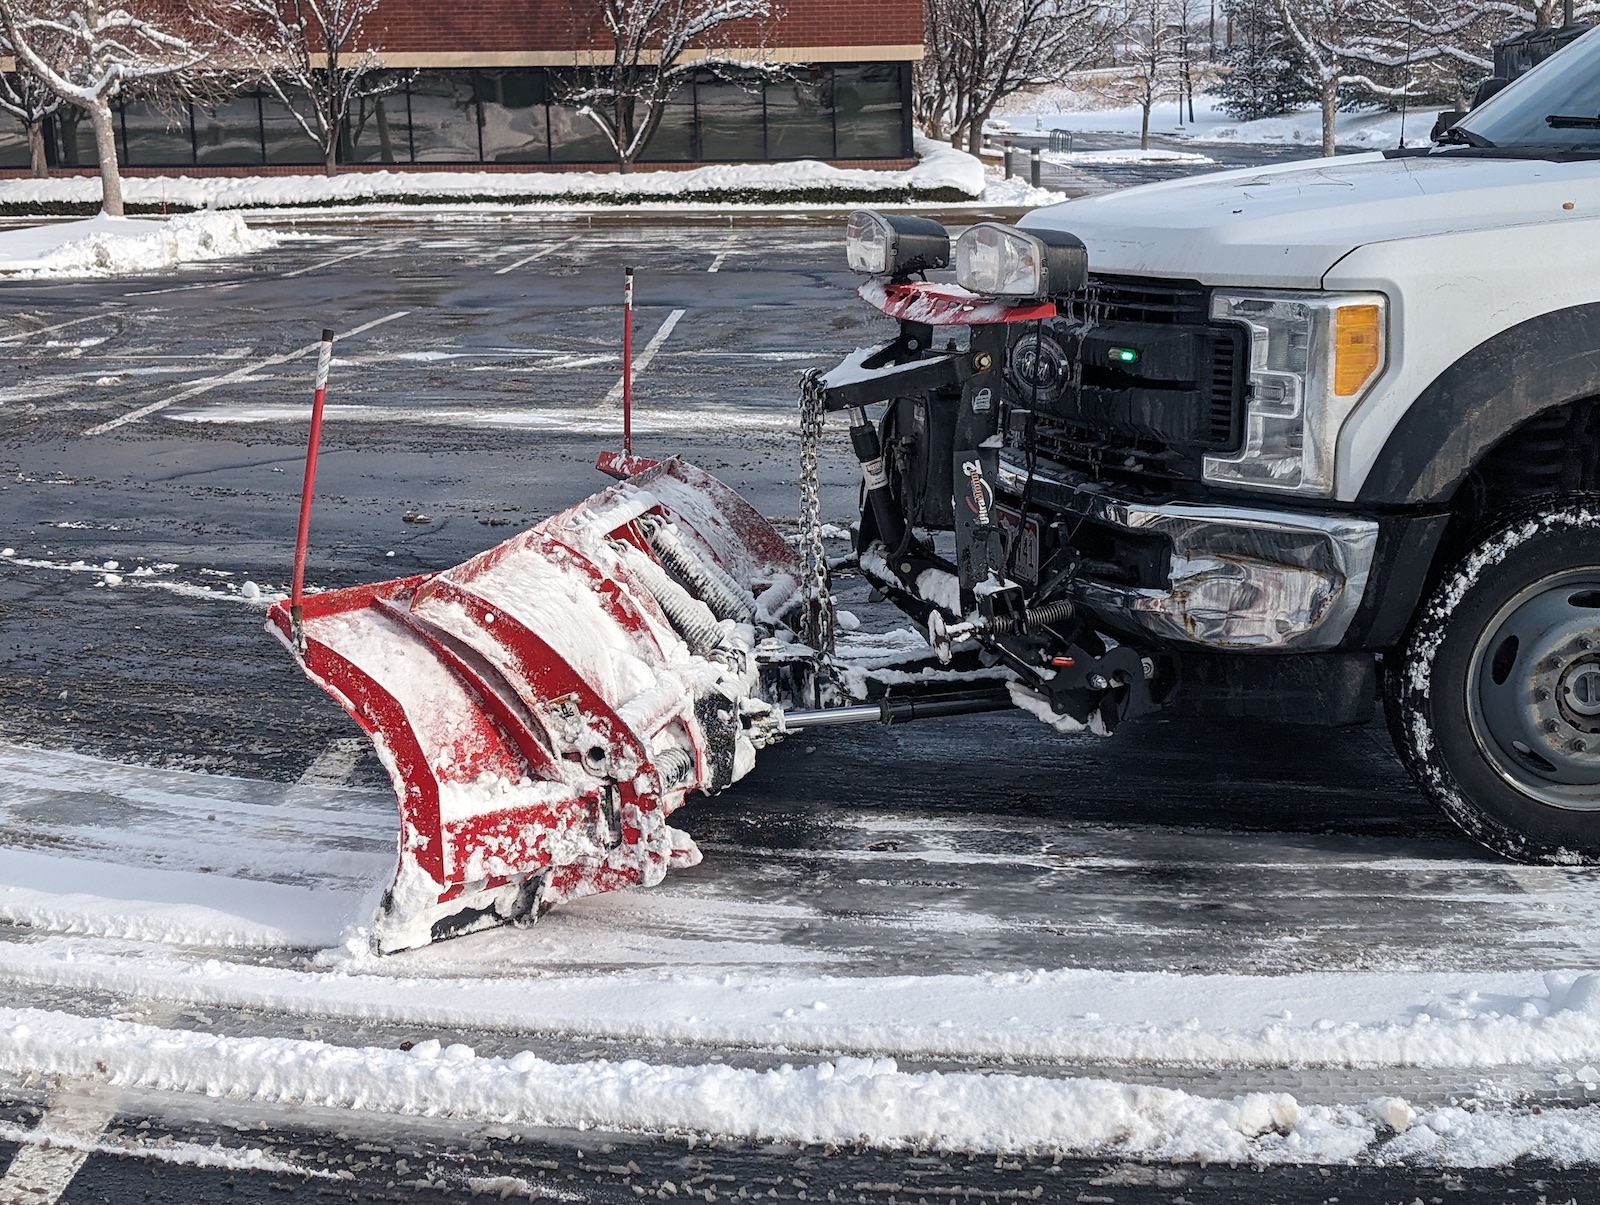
column 940, row 167
column 106, row 246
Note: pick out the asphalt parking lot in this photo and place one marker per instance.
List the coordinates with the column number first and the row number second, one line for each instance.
column 150, row 450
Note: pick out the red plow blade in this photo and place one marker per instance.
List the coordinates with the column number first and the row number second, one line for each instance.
column 543, row 708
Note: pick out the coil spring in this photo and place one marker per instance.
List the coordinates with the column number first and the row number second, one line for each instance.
column 691, row 617
column 1039, row 617
column 714, row 587
column 676, row 767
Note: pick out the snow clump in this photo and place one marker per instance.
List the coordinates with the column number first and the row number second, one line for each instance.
column 105, row 247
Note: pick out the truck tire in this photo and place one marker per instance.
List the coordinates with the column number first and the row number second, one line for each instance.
column 1494, row 702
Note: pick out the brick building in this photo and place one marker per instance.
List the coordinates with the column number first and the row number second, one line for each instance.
column 479, row 85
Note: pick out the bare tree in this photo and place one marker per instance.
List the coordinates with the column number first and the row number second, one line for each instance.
column 25, row 97
column 654, row 46
column 979, row 52
column 314, row 56
column 89, row 53
column 1152, row 59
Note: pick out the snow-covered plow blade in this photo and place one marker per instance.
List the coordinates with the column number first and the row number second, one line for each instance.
column 543, row 708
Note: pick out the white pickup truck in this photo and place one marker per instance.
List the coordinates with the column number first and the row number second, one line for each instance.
column 1271, row 443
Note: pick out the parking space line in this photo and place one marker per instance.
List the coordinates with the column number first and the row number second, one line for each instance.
column 215, row 284
column 39, row 1174
column 210, row 383
column 339, row 259
column 716, row 264
column 642, row 360
column 46, row 330
column 539, row 254
column 334, row 765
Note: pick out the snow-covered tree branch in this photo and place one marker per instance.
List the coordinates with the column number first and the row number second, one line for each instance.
column 313, row 55
column 88, row 53
column 979, row 52
column 652, row 47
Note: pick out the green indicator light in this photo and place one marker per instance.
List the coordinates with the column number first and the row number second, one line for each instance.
column 1125, row 355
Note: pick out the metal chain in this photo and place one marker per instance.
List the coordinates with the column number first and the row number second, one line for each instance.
column 817, row 628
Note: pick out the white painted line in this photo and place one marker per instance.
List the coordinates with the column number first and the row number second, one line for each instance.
column 642, row 360
column 339, row 259
column 215, row 284
column 41, row 1170
column 210, row 383
column 336, row 763
column 45, row 330
column 716, row 264
column 539, row 254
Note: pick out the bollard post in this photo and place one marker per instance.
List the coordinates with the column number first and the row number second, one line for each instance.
column 1033, row 167
column 303, row 535
column 627, row 361
column 1007, row 152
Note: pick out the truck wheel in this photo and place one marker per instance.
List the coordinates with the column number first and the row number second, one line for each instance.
column 1495, row 701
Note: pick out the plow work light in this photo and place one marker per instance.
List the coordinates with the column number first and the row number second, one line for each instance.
column 879, row 245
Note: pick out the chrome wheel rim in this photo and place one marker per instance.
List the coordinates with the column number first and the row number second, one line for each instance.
column 1533, row 691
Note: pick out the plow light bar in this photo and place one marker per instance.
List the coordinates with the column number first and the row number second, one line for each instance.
column 879, row 245
column 1001, row 261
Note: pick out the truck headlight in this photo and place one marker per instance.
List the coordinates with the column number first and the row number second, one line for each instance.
column 879, row 245
column 1313, row 357
column 1001, row 261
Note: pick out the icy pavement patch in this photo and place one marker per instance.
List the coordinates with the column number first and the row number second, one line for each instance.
column 104, row 246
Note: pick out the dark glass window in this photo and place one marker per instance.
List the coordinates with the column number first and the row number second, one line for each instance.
column 13, row 142
column 730, row 120
column 673, row 140
column 867, row 105
column 287, row 142
column 516, row 127
column 230, row 133
column 155, row 138
column 377, row 129
column 74, row 138
column 800, row 115
column 444, row 118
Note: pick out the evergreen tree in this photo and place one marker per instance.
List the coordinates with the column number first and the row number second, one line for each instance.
column 1264, row 73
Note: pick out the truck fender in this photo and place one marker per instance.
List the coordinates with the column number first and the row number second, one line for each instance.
column 1483, row 397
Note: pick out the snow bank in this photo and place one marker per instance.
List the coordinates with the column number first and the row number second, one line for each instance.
column 1068, row 109
column 104, row 246
column 941, row 168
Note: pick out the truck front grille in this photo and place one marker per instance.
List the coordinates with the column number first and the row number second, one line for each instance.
column 1126, row 427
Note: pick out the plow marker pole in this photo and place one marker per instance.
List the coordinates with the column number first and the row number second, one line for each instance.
column 627, row 361
column 303, row 538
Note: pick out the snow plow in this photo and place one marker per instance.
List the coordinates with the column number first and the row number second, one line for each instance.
column 1095, row 493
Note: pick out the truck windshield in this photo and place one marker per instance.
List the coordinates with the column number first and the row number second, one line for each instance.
column 1566, row 85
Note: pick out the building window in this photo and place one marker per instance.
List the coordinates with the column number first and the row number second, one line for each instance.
column 377, row 129
column 74, row 138
column 673, row 139
column 731, row 124
column 287, row 143
column 573, row 137
column 156, row 138
column 444, row 118
column 800, row 115
column 13, row 142
column 513, row 109
column 867, row 104
column 230, row 134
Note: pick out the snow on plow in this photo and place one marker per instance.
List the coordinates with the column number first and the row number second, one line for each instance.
column 544, row 708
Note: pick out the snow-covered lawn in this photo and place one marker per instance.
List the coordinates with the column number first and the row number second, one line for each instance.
column 1067, row 109
column 103, row 246
column 941, row 173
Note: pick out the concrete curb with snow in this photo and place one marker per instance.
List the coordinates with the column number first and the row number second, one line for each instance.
column 104, row 246
column 943, row 174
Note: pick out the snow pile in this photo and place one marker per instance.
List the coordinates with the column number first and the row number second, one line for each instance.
column 941, row 169
column 105, row 246
column 1018, row 192
column 1067, row 108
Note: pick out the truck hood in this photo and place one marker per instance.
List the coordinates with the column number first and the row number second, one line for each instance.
column 1286, row 225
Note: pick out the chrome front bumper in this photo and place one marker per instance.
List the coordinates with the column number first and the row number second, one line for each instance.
column 1240, row 578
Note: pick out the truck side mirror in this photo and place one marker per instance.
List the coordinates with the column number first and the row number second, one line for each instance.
column 1490, row 87
column 1446, row 119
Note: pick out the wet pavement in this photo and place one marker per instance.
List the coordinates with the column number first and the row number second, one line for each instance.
column 151, row 435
